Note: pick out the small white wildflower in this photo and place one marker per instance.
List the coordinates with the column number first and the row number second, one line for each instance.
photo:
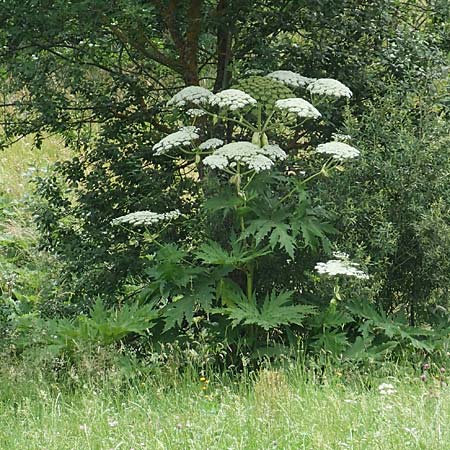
column 145, row 217
column 329, row 86
column 338, row 150
column 113, row 423
column 185, row 136
column 211, row 144
column 340, row 266
column 232, row 99
column 341, row 255
column 412, row 431
column 341, row 137
column 274, row 152
column 298, row 106
column 194, row 112
column 289, row 78
column 386, row 389
column 192, row 94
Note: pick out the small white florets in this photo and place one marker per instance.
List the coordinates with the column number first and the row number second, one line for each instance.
column 340, row 266
column 338, row 150
column 211, row 144
column 194, row 112
column 216, row 161
column 329, row 86
column 232, row 99
column 298, row 106
column 145, row 218
column 195, row 95
column 274, row 152
column 341, row 137
column 386, row 389
column 184, row 137
column 243, row 152
column 290, row 79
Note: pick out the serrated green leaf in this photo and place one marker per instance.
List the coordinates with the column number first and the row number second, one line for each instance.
column 280, row 235
column 274, row 312
column 178, row 311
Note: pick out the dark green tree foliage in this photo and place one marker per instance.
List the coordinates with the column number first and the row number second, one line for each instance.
column 99, row 73
column 393, row 206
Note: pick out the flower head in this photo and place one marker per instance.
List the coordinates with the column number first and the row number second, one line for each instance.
column 211, row 144
column 298, row 106
column 341, row 137
column 216, row 161
column 338, row 150
column 329, row 86
column 232, row 99
column 289, row 78
column 145, row 217
column 243, row 152
column 386, row 389
column 180, row 138
column 340, row 266
column 258, row 163
column 191, row 95
column 194, row 112
column 266, row 91
column 274, row 152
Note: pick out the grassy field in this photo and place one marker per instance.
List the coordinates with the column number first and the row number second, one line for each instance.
column 276, row 410
column 21, row 160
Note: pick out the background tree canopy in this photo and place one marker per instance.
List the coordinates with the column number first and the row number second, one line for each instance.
column 100, row 72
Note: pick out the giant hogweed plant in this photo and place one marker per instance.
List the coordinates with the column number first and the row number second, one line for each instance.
column 254, row 206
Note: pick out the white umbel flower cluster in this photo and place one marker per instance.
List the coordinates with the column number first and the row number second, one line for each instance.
column 215, row 161
column 386, row 389
column 211, row 144
column 338, row 150
column 298, row 106
column 274, row 152
column 195, row 95
column 289, row 78
column 185, row 136
column 194, row 112
column 145, row 218
column 232, row 99
column 340, row 266
column 341, row 137
column 244, row 152
column 329, row 86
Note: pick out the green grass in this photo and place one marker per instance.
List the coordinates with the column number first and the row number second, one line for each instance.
column 275, row 411
column 17, row 160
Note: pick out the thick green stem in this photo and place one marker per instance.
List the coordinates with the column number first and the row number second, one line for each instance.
column 266, row 123
column 249, row 282
column 260, row 119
